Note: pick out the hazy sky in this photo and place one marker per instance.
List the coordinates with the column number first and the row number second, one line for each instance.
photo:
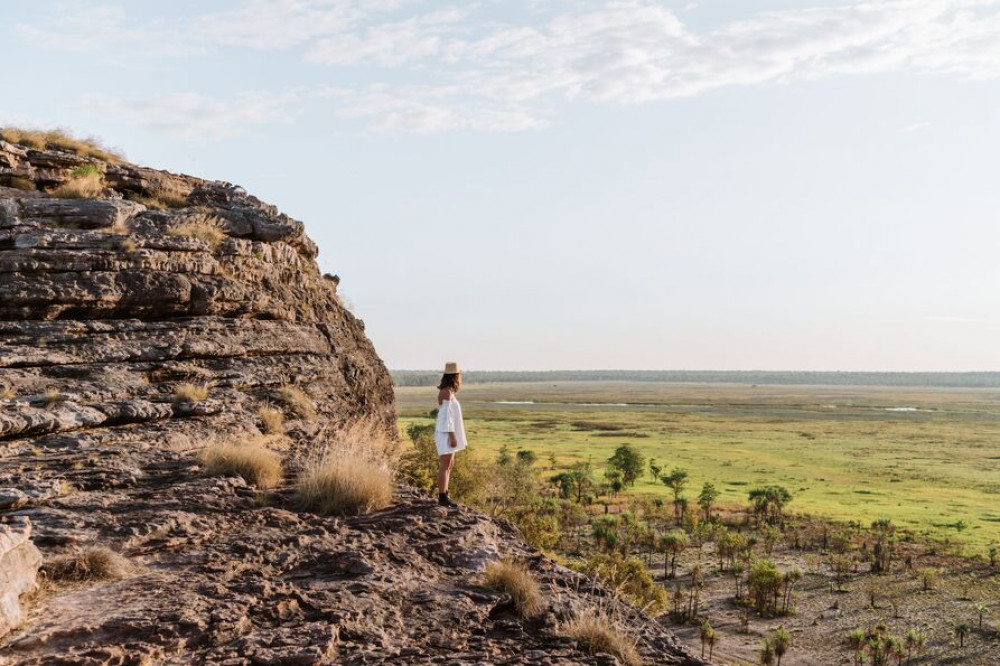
column 532, row 184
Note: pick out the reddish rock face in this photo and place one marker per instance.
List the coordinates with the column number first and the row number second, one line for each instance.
column 107, row 306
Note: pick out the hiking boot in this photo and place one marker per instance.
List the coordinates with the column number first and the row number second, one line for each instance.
column 444, row 500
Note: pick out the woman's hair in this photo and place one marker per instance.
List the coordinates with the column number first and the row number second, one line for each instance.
column 450, row 381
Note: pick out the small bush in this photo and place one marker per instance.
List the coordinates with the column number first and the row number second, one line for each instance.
column 596, row 632
column 84, row 187
column 344, row 483
column 251, row 460
column 628, row 576
column 202, row 227
column 85, row 170
column 59, row 140
column 517, row 581
column 298, row 403
column 97, row 563
column 190, row 393
column 271, row 420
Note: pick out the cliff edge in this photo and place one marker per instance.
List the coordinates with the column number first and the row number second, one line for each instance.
column 144, row 315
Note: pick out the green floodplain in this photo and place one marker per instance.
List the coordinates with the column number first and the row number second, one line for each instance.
column 927, row 458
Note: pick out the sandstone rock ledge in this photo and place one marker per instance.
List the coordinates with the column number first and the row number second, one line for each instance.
column 223, row 580
column 108, row 305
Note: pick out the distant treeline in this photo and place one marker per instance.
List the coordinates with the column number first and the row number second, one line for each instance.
column 944, row 379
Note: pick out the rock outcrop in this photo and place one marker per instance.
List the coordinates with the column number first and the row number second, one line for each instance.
column 163, row 312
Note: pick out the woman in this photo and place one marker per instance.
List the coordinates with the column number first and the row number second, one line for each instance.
column 449, row 435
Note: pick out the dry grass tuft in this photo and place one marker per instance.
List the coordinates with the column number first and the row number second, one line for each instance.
column 86, row 186
column 297, row 402
column 272, row 421
column 53, row 397
column 344, row 483
column 96, row 563
column 252, row 460
column 60, row 140
column 517, row 581
column 190, row 393
column 7, row 394
column 152, row 203
column 596, row 632
column 203, row 227
column 18, row 183
column 366, row 438
column 171, row 199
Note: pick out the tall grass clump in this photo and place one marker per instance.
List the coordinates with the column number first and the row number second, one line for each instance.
column 251, row 460
column 297, row 402
column 59, row 140
column 203, row 227
column 515, row 579
column 271, row 420
column 95, row 563
column 595, row 632
column 344, row 483
column 86, row 182
column 190, row 393
column 17, row 182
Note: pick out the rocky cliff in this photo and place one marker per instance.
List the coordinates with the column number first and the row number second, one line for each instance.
column 144, row 314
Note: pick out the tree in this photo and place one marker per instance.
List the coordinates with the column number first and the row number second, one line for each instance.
column 982, row 610
column 884, row 545
column 654, row 469
column 703, row 633
column 856, row 641
column 789, row 580
column 708, row 637
column 768, row 502
column 915, row 641
column 526, row 457
column 673, row 544
column 581, row 478
column 764, row 585
column 961, row 630
column 767, row 654
column 677, row 482
column 707, row 498
column 781, row 642
column 629, row 462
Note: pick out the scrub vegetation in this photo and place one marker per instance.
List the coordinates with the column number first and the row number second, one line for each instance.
column 799, row 515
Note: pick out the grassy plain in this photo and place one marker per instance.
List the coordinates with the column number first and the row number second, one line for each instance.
column 928, row 458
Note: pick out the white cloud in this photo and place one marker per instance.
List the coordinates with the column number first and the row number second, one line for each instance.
column 459, row 68
column 195, row 116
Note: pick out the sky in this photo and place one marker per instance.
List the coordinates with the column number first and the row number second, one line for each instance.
column 549, row 184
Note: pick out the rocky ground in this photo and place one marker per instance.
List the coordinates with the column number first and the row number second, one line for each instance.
column 111, row 307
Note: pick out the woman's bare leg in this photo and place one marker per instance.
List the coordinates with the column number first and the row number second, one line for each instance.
column 444, row 471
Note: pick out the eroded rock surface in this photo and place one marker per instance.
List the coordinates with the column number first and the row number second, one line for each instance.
column 107, row 306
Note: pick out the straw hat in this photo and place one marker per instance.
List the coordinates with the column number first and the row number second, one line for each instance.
column 451, row 368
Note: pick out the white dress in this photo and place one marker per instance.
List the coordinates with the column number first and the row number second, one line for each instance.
column 449, row 420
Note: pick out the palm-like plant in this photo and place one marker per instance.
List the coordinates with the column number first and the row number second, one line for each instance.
column 767, row 654
column 781, row 641
column 983, row 610
column 704, row 633
column 961, row 630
